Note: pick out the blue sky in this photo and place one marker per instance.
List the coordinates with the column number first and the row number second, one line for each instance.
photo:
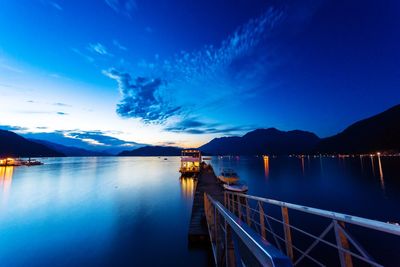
column 182, row 72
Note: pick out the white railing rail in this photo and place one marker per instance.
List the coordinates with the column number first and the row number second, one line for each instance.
column 254, row 212
column 234, row 243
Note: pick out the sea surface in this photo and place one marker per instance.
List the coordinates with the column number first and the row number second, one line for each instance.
column 135, row 211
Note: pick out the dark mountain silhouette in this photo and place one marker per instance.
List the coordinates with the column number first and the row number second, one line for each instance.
column 263, row 141
column 378, row 133
column 153, row 151
column 11, row 144
column 70, row 151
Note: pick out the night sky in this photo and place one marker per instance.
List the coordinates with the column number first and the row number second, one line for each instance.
column 182, row 72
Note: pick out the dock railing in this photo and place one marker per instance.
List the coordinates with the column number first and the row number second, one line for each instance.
column 234, row 243
column 312, row 237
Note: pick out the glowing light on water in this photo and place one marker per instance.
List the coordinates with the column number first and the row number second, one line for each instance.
column 266, row 166
column 6, row 174
column 372, row 164
column 381, row 172
column 187, row 186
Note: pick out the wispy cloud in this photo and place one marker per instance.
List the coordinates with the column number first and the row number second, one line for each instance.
column 10, row 68
column 124, row 7
column 196, row 126
column 119, row 46
column 98, row 48
column 78, row 52
column 142, row 98
column 55, row 5
column 59, row 104
column 12, row 128
column 206, row 70
column 92, row 140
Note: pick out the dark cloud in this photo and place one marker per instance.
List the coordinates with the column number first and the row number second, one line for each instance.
column 12, row 128
column 195, row 126
column 91, row 140
column 98, row 137
column 61, row 113
column 61, row 104
column 142, row 98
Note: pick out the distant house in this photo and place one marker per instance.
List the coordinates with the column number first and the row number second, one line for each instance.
column 190, row 162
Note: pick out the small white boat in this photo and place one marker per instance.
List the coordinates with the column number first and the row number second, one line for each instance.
column 32, row 162
column 228, row 176
column 237, row 187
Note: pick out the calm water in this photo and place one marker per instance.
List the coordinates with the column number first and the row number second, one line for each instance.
column 135, row 211
column 96, row 211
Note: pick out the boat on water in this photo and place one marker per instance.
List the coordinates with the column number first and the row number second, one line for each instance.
column 236, row 187
column 32, row 162
column 228, row 176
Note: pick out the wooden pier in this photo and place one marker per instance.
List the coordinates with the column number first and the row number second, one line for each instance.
column 208, row 183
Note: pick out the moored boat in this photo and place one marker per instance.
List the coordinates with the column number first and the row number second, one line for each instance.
column 236, row 187
column 228, row 176
column 32, row 162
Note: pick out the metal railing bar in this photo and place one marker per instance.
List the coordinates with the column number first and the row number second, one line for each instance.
column 258, row 250
column 296, row 248
column 272, row 230
column 355, row 244
column 367, row 223
column 323, row 241
column 316, row 241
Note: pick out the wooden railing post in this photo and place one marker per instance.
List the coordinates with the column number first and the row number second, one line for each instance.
column 288, row 233
column 247, row 212
column 233, row 203
column 239, row 207
column 228, row 201
column 229, row 247
column 342, row 243
column 262, row 220
column 225, row 202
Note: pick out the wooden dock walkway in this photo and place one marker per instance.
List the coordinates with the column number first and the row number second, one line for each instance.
column 207, row 182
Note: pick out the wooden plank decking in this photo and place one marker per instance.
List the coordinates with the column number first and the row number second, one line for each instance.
column 207, row 182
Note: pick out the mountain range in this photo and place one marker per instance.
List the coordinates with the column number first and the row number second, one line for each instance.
column 70, row 151
column 263, row 141
column 153, row 151
column 12, row 144
column 377, row 133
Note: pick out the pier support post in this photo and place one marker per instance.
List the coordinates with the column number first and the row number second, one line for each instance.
column 288, row 234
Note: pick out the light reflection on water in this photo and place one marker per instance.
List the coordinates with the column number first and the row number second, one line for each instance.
column 136, row 211
column 6, row 174
column 105, row 211
column 187, row 187
column 266, row 166
column 351, row 185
